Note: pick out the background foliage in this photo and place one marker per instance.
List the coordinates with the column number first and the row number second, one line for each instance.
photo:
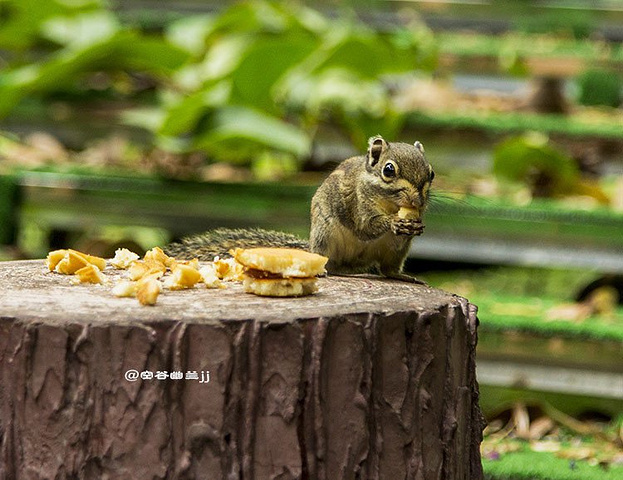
column 195, row 84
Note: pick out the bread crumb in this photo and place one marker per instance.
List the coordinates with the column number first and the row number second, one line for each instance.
column 123, row 258
column 148, row 291
column 125, row 288
column 70, row 263
column 228, row 269
column 90, row 274
column 142, row 268
column 209, row 276
column 183, row 276
column 53, row 258
column 157, row 255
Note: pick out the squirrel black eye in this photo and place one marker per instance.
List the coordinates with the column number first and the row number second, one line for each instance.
column 389, row 170
column 432, row 176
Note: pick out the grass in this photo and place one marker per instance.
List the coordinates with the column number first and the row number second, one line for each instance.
column 545, row 466
column 529, row 314
column 527, row 300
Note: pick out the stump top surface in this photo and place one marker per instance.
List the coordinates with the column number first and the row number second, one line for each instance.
column 31, row 292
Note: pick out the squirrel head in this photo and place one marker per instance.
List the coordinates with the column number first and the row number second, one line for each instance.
column 399, row 173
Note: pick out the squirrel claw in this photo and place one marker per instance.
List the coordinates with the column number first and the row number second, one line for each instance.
column 403, row 277
column 403, row 226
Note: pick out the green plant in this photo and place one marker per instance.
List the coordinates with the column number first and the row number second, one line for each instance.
column 548, row 171
column 265, row 75
column 258, row 77
column 80, row 42
column 530, row 159
column 599, row 87
column 24, row 21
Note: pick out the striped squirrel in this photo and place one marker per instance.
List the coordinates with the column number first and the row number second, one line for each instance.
column 363, row 216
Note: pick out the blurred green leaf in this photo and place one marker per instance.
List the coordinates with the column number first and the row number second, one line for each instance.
column 599, row 87
column 238, row 134
column 22, row 20
column 356, row 51
column 271, row 166
column 511, row 61
column 365, row 52
column 190, row 33
column 220, row 60
column 264, row 64
column 333, row 90
column 82, row 30
column 147, row 118
column 269, row 17
column 147, row 54
column 64, row 69
column 364, row 126
column 229, row 80
column 250, row 16
column 183, row 116
column 529, row 156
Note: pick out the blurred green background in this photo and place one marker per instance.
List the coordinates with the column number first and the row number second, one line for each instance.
column 133, row 123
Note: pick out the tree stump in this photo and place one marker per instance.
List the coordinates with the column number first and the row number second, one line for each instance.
column 367, row 379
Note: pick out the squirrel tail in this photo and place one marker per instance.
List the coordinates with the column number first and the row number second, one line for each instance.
column 218, row 242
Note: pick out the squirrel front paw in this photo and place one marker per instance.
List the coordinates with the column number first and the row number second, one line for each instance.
column 405, row 226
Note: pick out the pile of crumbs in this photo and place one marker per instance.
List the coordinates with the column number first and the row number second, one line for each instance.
column 145, row 278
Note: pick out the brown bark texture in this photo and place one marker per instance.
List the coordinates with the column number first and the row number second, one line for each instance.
column 367, row 379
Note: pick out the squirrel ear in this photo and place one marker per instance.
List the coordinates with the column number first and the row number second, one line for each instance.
column 377, row 145
column 419, row 146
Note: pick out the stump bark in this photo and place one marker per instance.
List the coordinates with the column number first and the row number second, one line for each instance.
column 367, row 379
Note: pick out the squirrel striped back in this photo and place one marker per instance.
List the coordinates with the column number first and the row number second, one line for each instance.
column 218, row 242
